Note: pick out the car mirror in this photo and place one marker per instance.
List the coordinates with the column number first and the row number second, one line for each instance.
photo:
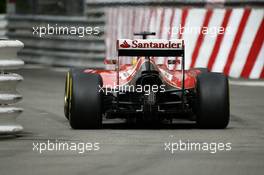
column 171, row 61
column 110, row 61
column 175, row 61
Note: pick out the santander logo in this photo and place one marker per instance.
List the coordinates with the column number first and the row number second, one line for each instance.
column 150, row 44
column 124, row 45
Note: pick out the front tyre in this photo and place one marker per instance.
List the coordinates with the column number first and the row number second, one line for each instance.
column 212, row 103
column 85, row 109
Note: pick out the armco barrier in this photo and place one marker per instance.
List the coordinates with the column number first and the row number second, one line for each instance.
column 3, row 24
column 238, row 52
column 8, row 83
column 63, row 49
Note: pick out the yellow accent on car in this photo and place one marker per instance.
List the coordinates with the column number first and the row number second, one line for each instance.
column 134, row 61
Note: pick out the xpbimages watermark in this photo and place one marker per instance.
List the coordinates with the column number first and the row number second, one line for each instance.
column 146, row 89
column 210, row 31
column 78, row 147
column 188, row 146
column 80, row 31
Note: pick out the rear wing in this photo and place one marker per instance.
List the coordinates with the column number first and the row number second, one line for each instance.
column 150, row 47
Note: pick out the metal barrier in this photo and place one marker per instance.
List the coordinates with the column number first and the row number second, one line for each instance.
column 58, row 49
column 8, row 82
column 3, row 24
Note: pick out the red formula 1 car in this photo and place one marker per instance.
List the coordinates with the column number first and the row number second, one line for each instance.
column 147, row 90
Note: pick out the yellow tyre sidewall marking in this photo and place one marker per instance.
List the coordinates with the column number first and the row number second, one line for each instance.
column 68, row 91
column 66, row 95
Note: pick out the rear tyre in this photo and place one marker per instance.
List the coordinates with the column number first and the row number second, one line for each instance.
column 201, row 69
column 85, row 107
column 212, row 103
column 68, row 90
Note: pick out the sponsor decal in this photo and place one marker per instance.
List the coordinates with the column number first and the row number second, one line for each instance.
column 150, row 44
column 125, row 44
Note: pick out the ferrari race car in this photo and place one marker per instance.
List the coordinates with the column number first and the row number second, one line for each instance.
column 147, row 90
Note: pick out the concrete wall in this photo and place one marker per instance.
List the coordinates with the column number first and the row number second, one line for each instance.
column 238, row 51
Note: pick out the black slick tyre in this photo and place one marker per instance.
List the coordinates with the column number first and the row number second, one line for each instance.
column 85, row 106
column 212, row 102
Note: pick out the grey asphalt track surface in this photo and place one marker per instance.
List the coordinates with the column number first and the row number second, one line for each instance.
column 124, row 149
